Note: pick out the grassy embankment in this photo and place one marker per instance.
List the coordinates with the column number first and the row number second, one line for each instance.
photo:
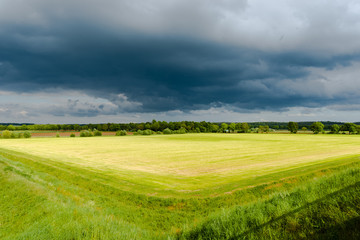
column 159, row 186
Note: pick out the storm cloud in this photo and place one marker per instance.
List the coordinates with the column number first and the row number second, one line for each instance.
column 161, row 56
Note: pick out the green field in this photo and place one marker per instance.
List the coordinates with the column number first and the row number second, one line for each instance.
column 173, row 186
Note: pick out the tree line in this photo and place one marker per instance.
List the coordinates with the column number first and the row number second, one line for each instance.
column 191, row 126
column 318, row 127
column 156, row 126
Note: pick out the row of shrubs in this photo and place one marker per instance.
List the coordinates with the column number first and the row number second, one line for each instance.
column 88, row 133
column 10, row 134
column 121, row 133
column 94, row 133
column 166, row 131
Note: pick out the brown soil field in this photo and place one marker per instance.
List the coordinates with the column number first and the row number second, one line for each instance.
column 65, row 134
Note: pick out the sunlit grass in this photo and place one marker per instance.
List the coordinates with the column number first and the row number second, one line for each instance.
column 200, row 164
column 155, row 187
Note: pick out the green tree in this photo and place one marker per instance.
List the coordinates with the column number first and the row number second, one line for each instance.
column 10, row 128
column 214, row 128
column 155, row 125
column 304, row 129
column 350, row 127
column 335, row 128
column 232, row 127
column 293, row 127
column 358, row 129
column 245, row 127
column 224, row 127
column 262, row 129
column 317, row 127
column 77, row 127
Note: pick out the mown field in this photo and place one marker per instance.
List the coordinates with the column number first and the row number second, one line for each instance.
column 190, row 186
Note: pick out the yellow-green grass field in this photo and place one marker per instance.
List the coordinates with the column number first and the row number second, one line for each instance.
column 158, row 186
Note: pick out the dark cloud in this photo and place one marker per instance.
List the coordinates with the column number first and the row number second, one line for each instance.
column 156, row 71
column 161, row 72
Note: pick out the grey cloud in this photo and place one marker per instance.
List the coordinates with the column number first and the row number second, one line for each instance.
column 181, row 55
column 331, row 26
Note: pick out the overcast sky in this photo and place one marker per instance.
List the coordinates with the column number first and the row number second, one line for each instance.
column 90, row 61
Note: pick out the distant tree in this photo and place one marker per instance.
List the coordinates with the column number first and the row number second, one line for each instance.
column 10, row 128
column 358, row 129
column 77, row 127
column 304, row 129
column 245, row 127
column 104, row 127
column 214, row 128
column 317, row 127
column 293, row 127
column 23, row 127
column 224, row 127
column 140, row 126
column 155, row 125
column 232, row 127
column 262, row 129
column 335, row 128
column 350, row 127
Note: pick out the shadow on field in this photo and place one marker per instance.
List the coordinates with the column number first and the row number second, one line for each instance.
column 346, row 230
column 349, row 229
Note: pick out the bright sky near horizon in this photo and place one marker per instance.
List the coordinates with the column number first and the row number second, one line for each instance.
column 90, row 61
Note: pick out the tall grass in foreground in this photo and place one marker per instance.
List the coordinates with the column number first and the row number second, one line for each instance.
column 327, row 208
column 52, row 200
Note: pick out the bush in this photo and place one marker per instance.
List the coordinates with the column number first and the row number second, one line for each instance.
column 167, row 131
column 180, row 131
column 86, row 133
column 72, row 135
column 27, row 134
column 121, row 133
column 97, row 133
column 14, row 135
column 147, row 132
column 6, row 134
column 57, row 134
